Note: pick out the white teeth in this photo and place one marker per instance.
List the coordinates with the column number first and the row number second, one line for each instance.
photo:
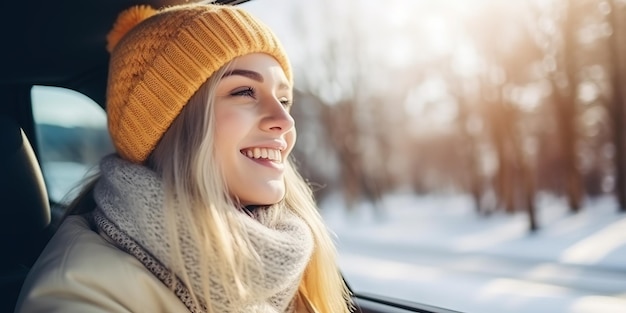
column 263, row 153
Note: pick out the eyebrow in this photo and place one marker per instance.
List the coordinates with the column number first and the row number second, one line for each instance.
column 252, row 75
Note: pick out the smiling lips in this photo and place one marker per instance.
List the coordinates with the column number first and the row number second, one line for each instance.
column 263, row 153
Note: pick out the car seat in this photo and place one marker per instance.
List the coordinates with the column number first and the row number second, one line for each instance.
column 24, row 211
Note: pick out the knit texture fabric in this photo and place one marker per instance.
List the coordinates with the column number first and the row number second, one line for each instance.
column 131, row 212
column 161, row 62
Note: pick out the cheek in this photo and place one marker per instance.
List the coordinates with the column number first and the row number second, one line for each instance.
column 226, row 136
column 230, row 124
column 291, row 137
column 225, row 120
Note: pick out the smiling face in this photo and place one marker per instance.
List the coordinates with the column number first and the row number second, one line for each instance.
column 254, row 131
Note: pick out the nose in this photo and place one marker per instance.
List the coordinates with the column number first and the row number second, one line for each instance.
column 277, row 117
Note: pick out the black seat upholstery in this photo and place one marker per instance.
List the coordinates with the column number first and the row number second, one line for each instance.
column 24, row 211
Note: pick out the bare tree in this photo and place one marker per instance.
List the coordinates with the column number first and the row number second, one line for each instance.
column 617, row 106
column 338, row 75
column 566, row 109
column 560, row 59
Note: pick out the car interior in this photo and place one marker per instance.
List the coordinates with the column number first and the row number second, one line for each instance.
column 52, row 43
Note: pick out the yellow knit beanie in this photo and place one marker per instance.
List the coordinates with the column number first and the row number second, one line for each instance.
column 159, row 59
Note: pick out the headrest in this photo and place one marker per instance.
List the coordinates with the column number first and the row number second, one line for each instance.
column 24, row 206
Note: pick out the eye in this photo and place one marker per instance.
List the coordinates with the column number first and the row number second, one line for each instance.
column 286, row 103
column 244, row 92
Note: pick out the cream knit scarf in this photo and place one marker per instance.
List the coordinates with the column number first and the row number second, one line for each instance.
column 131, row 213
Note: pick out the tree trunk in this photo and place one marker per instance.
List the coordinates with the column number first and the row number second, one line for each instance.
column 500, row 127
column 566, row 108
column 529, row 193
column 617, row 107
column 342, row 132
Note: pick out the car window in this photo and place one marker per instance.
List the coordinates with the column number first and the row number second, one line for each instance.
column 71, row 136
column 467, row 154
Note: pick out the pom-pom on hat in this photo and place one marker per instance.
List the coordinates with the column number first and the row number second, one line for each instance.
column 159, row 59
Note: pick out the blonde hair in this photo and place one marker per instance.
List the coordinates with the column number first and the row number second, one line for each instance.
column 195, row 185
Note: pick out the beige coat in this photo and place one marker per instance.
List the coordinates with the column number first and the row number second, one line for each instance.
column 79, row 271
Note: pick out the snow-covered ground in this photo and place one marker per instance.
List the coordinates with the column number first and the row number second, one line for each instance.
column 436, row 250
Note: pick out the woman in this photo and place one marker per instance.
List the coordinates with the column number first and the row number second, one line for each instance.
column 200, row 209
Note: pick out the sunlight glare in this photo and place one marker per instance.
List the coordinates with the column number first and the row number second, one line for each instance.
column 593, row 304
column 400, row 51
column 438, row 33
column 597, row 246
column 503, row 286
column 588, row 92
column 466, row 61
column 397, row 13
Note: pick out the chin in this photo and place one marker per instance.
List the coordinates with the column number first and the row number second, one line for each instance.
column 266, row 192
column 269, row 200
column 264, row 196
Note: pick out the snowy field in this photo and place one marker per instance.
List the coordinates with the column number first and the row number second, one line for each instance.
column 436, row 250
